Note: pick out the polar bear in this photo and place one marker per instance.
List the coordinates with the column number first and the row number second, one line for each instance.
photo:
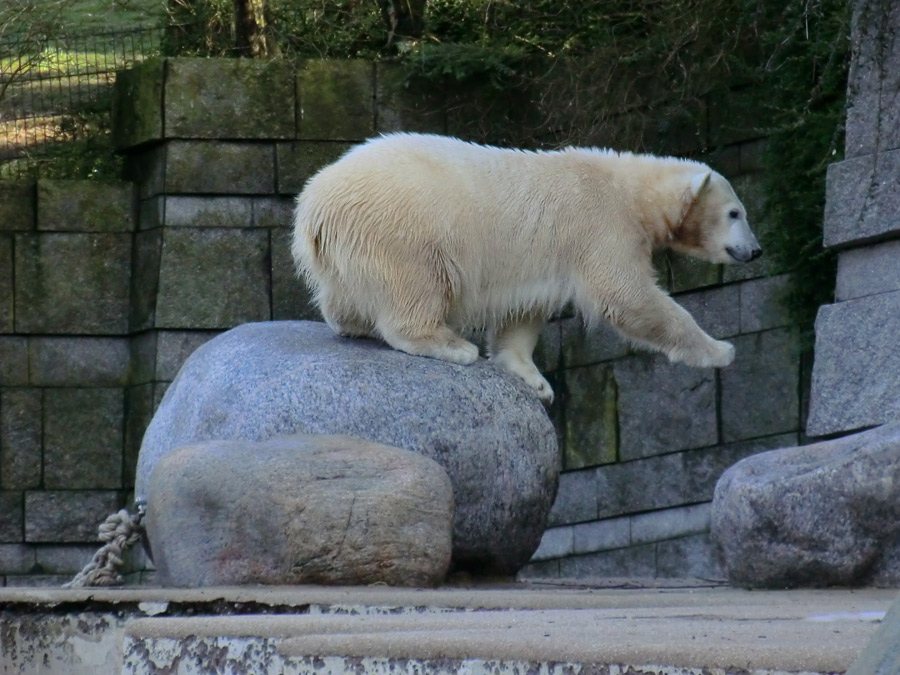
column 414, row 238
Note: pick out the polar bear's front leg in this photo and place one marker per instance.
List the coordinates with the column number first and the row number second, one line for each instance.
column 653, row 319
column 511, row 346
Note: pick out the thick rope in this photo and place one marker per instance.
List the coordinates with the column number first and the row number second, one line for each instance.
column 119, row 532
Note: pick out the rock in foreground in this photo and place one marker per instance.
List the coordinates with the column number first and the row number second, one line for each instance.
column 817, row 515
column 305, row 509
column 487, row 430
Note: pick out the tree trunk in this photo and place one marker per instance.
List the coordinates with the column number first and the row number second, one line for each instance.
column 249, row 28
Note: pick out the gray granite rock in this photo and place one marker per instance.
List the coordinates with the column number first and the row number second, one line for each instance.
column 303, row 509
column 816, row 515
column 487, row 430
column 856, row 373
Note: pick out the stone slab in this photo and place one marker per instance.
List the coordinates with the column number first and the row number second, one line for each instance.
column 716, row 310
column 13, row 360
column 139, row 408
column 219, row 167
column 591, row 423
column 7, row 295
column 635, row 561
column 298, row 161
column 79, row 361
column 67, row 516
column 21, row 438
column 868, row 270
column 291, row 299
column 583, row 346
column 402, row 105
column 72, row 283
column 760, row 391
column 275, row 213
column 11, row 516
column 576, row 498
column 857, row 365
column 16, row 558
column 193, row 211
column 601, row 535
column 762, row 303
column 137, row 104
column 92, row 457
column 145, row 279
column 683, row 401
column 17, row 205
column 863, row 199
column 244, row 98
column 336, row 99
column 873, row 120
column 652, row 483
column 85, row 206
column 557, row 542
column 63, row 559
column 693, row 557
column 213, row 278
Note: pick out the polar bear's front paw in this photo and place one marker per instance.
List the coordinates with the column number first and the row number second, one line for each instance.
column 713, row 354
column 541, row 387
column 719, row 355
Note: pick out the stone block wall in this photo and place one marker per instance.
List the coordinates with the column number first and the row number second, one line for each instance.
column 856, row 378
column 65, row 368
column 112, row 287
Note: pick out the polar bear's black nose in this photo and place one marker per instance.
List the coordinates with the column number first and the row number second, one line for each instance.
column 755, row 253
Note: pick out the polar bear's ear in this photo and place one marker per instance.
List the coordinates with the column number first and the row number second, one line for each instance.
column 699, row 181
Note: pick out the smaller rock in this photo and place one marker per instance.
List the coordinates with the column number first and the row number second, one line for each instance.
column 304, row 509
column 817, row 515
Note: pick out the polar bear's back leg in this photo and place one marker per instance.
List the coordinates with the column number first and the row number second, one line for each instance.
column 412, row 305
column 341, row 313
column 512, row 345
column 402, row 298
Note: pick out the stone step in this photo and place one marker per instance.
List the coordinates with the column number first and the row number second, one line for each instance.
column 613, row 628
column 636, row 631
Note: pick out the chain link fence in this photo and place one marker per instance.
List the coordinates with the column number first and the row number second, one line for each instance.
column 56, row 90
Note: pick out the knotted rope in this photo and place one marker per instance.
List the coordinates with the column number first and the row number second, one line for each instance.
column 119, row 532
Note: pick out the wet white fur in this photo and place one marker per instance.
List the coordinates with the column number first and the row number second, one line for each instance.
column 414, row 238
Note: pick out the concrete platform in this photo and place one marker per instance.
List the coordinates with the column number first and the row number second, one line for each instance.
column 612, row 627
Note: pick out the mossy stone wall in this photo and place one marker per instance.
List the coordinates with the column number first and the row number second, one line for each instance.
column 115, row 285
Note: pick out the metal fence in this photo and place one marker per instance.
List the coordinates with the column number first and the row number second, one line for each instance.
column 46, row 81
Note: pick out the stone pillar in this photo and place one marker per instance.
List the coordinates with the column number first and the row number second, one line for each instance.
column 856, row 376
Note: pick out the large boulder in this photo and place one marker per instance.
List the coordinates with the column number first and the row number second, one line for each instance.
column 816, row 515
column 484, row 426
column 305, row 509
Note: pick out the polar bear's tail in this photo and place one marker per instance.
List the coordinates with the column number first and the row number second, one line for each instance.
column 304, row 245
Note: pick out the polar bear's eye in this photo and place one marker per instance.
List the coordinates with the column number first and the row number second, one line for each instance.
column 734, row 214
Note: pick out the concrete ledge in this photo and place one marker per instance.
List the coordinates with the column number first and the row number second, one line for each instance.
column 682, row 628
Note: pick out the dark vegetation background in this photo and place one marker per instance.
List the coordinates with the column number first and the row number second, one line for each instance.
column 626, row 73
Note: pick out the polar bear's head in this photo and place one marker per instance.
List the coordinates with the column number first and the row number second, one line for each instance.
column 714, row 222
